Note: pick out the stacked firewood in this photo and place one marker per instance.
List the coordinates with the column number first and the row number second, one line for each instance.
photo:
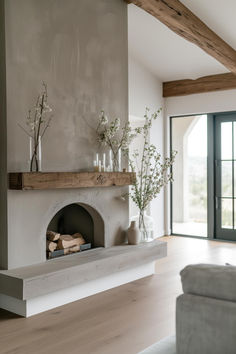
column 66, row 243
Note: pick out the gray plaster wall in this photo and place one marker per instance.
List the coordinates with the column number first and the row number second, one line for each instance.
column 79, row 48
column 3, row 145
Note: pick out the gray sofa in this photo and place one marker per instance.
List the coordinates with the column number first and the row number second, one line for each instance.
column 206, row 311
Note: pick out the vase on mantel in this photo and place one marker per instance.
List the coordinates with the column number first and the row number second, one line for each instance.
column 35, row 154
column 146, row 226
column 115, row 160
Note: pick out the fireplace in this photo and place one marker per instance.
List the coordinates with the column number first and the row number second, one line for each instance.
column 74, row 228
column 95, row 78
column 33, row 283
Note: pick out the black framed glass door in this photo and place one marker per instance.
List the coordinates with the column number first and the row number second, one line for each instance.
column 189, row 214
column 225, row 176
column 203, row 194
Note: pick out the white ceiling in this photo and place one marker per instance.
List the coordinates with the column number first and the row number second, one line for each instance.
column 171, row 57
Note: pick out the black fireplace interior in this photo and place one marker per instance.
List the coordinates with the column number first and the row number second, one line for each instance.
column 71, row 219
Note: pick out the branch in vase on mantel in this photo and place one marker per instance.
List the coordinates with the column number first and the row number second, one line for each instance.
column 37, row 122
column 117, row 139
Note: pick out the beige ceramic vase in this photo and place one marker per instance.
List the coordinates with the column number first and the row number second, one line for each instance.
column 133, row 234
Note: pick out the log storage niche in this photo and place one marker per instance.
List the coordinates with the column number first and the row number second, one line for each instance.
column 74, row 228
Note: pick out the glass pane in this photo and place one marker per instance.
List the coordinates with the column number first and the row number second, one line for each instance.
column 226, row 179
column 226, row 213
column 189, row 197
column 234, row 157
column 226, row 141
column 234, row 214
column 235, row 178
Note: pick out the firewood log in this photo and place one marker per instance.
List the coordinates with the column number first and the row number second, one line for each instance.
column 66, row 241
column 52, row 236
column 66, row 238
column 77, row 235
column 51, row 246
column 71, row 249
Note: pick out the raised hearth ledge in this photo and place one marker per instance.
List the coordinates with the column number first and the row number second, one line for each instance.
column 27, row 308
column 30, row 290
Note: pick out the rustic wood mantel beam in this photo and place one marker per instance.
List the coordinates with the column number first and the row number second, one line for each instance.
column 57, row 180
column 204, row 84
column 182, row 21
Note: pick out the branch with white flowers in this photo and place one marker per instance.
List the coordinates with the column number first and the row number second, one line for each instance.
column 152, row 172
column 37, row 124
column 109, row 134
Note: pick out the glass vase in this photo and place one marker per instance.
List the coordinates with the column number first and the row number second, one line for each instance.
column 35, row 151
column 146, row 226
column 116, row 161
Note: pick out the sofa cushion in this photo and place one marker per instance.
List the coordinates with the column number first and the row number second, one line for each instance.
column 205, row 325
column 210, row 280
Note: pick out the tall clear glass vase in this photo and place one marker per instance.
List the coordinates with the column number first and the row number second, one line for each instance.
column 116, row 161
column 35, row 151
column 146, row 226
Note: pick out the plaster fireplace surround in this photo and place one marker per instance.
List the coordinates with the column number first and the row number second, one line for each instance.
column 79, row 48
column 32, row 221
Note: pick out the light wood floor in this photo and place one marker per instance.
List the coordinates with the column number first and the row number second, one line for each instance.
column 122, row 320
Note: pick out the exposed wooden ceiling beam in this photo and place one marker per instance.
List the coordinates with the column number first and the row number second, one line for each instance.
column 183, row 22
column 203, row 84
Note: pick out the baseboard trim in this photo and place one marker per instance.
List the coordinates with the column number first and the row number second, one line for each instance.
column 161, row 234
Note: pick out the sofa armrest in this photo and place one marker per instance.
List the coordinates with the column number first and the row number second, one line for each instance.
column 210, row 280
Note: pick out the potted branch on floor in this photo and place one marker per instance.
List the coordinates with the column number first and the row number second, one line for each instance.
column 152, row 172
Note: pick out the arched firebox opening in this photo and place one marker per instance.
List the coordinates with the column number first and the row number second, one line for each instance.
column 75, row 228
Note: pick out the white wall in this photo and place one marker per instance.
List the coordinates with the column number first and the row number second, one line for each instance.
column 145, row 90
column 211, row 102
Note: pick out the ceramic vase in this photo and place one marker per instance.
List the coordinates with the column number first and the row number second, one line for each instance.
column 133, row 234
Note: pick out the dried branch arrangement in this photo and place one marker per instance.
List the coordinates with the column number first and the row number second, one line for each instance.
column 153, row 172
column 37, row 122
column 118, row 139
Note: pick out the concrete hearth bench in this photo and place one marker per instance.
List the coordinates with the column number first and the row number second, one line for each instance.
column 33, row 289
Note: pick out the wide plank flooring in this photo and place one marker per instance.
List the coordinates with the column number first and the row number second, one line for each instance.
column 122, row 320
